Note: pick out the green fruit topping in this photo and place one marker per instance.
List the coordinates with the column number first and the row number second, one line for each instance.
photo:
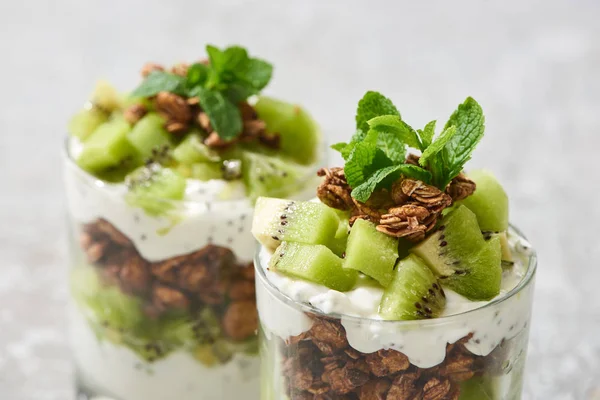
column 106, row 97
column 489, row 202
column 507, row 257
column 152, row 188
column 339, row 242
column 277, row 220
column 191, row 150
column 107, row 147
column 315, row 263
column 458, row 254
column 206, row 171
column 149, row 137
column 414, row 292
column 371, row 252
column 300, row 135
column 85, row 122
column 266, row 175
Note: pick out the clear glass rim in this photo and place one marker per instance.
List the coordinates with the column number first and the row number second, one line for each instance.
column 525, row 281
column 99, row 184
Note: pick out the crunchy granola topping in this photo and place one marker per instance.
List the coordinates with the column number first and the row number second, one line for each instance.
column 240, row 320
column 214, row 141
column 180, row 69
column 173, row 107
column 204, row 121
column 460, row 188
column 387, row 362
column 425, row 195
column 436, row 389
column 167, row 298
column 149, row 68
column 134, row 113
column 405, row 386
column 334, row 191
column 375, row 389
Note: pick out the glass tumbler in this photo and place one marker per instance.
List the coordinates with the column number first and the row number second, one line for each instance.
column 475, row 355
column 162, row 307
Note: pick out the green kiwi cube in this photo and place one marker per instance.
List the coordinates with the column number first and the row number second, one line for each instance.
column 340, row 240
column 300, row 135
column 459, row 255
column 154, row 188
column 106, row 147
column 85, row 122
column 314, row 263
column 206, row 171
column 489, row 202
column 270, row 175
column 148, row 135
column 371, row 252
column 414, row 292
column 482, row 274
column 277, row 220
column 191, row 150
column 107, row 97
column 456, row 239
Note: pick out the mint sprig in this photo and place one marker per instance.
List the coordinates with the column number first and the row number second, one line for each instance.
column 230, row 77
column 375, row 157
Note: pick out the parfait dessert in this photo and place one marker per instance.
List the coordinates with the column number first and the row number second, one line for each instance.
column 161, row 184
column 404, row 280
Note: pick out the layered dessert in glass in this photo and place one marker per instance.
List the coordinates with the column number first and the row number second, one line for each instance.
column 403, row 279
column 161, row 184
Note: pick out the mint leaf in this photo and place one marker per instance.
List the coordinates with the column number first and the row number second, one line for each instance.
column 433, row 149
column 363, row 161
column 391, row 145
column 339, row 146
column 470, row 125
column 257, row 73
column 197, row 74
column 427, row 134
column 394, row 125
column 363, row 191
column 160, row 81
column 373, row 104
column 225, row 117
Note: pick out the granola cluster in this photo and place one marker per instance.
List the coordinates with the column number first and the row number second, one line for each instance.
column 320, row 365
column 182, row 114
column 209, row 277
column 410, row 209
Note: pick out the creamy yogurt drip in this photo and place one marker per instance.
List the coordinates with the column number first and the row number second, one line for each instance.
column 424, row 343
column 215, row 211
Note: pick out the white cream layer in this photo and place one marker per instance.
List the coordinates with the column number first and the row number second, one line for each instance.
column 215, row 211
column 425, row 341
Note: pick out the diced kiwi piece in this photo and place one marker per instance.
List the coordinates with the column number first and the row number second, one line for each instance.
column 153, row 188
column 313, row 262
column 191, row 150
column 84, row 283
column 414, row 292
column 489, row 202
column 148, row 135
column 85, row 122
column 206, row 171
column 106, row 97
column 456, row 239
column 300, row 135
column 106, row 147
column 507, row 257
column 277, row 220
column 340, row 239
column 371, row 252
column 482, row 274
column 113, row 309
column 481, row 388
column 267, row 175
column 461, row 257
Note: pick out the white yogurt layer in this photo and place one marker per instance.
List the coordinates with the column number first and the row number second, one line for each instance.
column 424, row 342
column 215, row 211
column 103, row 366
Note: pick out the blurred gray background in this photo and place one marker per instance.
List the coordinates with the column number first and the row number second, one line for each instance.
column 533, row 65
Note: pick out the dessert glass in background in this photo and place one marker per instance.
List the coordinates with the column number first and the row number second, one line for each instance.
column 161, row 280
column 475, row 355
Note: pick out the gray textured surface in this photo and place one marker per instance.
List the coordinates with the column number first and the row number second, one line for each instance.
column 534, row 65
